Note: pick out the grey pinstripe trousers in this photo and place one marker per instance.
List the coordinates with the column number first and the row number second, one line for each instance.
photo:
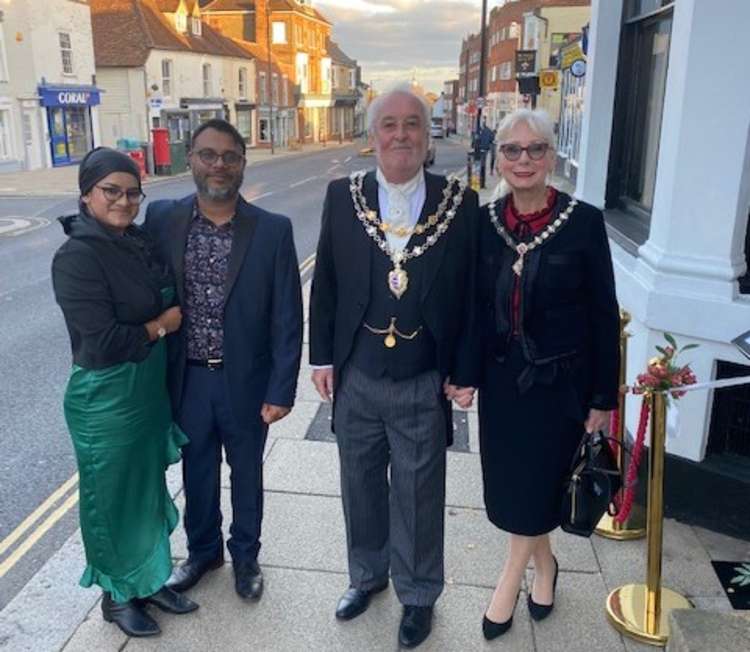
column 380, row 422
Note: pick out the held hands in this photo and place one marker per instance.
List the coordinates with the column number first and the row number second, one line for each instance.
column 597, row 420
column 273, row 413
column 171, row 319
column 323, row 381
column 463, row 396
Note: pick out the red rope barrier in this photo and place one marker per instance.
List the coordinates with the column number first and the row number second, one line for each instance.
column 624, row 501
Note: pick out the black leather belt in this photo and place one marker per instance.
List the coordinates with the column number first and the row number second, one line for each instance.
column 211, row 363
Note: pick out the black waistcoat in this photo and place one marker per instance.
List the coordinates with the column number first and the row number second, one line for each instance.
column 408, row 358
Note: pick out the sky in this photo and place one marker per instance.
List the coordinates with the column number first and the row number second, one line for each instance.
column 395, row 40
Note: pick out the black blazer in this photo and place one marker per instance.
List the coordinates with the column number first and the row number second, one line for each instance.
column 262, row 310
column 108, row 287
column 568, row 304
column 341, row 284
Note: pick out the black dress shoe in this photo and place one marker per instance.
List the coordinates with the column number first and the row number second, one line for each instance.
column 248, row 579
column 416, row 625
column 541, row 611
column 129, row 617
column 492, row 630
column 170, row 601
column 189, row 572
column 355, row 601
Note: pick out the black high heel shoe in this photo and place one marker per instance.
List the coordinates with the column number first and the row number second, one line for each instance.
column 541, row 611
column 492, row 630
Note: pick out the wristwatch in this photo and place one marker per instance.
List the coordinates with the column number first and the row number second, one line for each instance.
column 161, row 332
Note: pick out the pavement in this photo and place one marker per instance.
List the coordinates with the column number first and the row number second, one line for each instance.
column 304, row 562
column 63, row 180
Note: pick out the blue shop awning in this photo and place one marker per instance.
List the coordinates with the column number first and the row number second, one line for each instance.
column 69, row 95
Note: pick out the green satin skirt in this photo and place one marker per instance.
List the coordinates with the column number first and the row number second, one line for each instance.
column 121, row 424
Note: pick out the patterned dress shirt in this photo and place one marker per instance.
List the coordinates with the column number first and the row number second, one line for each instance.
column 206, row 264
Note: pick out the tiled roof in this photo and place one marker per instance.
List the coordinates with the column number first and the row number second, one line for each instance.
column 291, row 5
column 338, row 55
column 126, row 30
column 230, row 5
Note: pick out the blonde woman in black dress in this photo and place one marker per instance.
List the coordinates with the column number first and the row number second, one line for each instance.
column 550, row 335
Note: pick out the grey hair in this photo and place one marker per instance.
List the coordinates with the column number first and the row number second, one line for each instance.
column 402, row 88
column 538, row 120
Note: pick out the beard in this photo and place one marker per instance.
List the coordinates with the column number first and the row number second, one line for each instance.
column 220, row 193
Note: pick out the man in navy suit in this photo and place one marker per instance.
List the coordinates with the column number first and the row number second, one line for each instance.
column 234, row 363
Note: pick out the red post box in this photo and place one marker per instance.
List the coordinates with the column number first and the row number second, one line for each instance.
column 162, row 157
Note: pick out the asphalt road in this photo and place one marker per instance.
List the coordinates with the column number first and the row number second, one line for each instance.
column 36, row 457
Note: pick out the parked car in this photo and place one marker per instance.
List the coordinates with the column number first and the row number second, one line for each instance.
column 437, row 128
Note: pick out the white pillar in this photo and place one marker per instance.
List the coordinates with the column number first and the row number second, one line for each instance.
column 599, row 99
column 700, row 205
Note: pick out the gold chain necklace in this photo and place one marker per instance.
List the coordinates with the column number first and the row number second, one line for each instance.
column 522, row 248
column 398, row 279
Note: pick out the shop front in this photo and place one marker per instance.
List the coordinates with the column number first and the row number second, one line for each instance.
column 69, row 122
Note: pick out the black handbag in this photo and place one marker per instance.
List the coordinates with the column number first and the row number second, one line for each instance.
column 591, row 485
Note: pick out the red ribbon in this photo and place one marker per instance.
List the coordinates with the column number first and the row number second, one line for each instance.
column 624, row 501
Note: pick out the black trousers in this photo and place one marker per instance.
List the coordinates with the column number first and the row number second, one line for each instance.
column 206, row 418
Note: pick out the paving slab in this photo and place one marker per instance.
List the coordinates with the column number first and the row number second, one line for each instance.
column 686, row 566
column 695, row 630
column 294, row 425
column 464, row 481
column 721, row 547
column 96, row 634
column 578, row 621
column 310, row 467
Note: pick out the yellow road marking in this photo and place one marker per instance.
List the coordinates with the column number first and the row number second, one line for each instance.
column 37, row 534
column 37, row 513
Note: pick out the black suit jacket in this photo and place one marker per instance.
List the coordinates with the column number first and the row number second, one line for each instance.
column 262, row 310
column 568, row 304
column 341, row 284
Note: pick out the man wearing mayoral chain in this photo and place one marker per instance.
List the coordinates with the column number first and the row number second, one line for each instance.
column 393, row 338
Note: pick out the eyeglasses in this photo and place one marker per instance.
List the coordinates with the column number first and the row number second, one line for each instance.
column 113, row 194
column 230, row 158
column 536, row 151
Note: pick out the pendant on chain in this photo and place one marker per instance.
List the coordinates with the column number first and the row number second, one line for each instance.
column 398, row 280
column 521, row 250
column 390, row 341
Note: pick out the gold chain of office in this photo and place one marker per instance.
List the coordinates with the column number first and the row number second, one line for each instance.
column 398, row 279
column 522, row 248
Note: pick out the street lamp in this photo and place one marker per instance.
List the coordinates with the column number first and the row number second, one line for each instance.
column 269, row 90
column 480, row 98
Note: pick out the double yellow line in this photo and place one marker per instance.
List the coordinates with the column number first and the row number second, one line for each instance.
column 68, row 494
column 53, row 517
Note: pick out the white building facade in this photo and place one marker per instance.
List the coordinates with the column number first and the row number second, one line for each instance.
column 673, row 172
column 48, row 97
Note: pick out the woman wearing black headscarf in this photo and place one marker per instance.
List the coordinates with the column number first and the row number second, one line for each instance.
column 116, row 298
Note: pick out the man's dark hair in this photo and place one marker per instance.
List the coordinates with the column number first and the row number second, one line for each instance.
column 224, row 127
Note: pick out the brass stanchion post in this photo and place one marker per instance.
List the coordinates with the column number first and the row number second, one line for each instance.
column 634, row 526
column 641, row 611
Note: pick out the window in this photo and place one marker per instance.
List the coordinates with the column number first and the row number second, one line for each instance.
column 285, row 91
column 264, row 130
column 506, row 70
column 166, row 77
column 275, row 89
column 245, row 124
column 262, row 88
column 208, row 86
column 3, row 59
column 279, row 32
column 639, row 103
column 242, row 84
column 5, row 149
column 352, row 79
column 196, row 26
column 180, row 22
column 66, row 52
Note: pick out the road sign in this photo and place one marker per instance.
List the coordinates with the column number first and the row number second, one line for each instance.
column 481, row 102
column 548, row 79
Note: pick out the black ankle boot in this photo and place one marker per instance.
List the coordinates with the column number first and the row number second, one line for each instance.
column 129, row 617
